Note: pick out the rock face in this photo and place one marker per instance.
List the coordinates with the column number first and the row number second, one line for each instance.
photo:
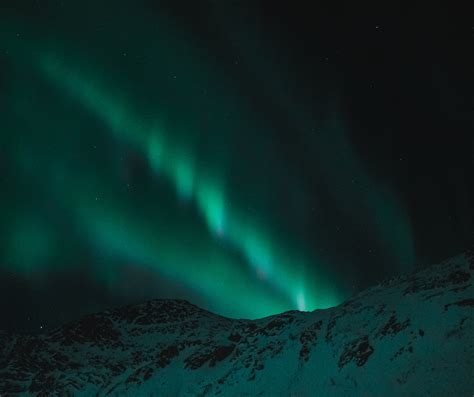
column 409, row 336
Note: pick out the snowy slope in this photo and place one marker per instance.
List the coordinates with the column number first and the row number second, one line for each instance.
column 410, row 336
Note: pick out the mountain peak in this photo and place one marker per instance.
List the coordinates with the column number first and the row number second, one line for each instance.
column 418, row 328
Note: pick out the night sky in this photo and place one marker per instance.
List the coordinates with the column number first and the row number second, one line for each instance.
column 249, row 156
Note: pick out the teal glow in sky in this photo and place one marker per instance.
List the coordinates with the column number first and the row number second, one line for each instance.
column 145, row 152
column 269, row 264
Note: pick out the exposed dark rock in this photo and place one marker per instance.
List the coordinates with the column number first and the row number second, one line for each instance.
column 166, row 355
column 309, row 337
column 235, row 337
column 465, row 302
column 358, row 351
column 212, row 356
column 453, row 278
column 392, row 327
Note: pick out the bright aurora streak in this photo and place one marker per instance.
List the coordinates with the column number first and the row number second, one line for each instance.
column 175, row 171
column 270, row 263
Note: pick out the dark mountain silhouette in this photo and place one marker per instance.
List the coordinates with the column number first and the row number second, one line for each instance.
column 408, row 336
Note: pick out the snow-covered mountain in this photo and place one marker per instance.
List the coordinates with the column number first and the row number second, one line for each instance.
column 409, row 336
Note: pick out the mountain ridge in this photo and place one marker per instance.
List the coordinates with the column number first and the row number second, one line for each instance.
column 409, row 335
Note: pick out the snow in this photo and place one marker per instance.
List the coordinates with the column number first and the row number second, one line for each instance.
column 409, row 336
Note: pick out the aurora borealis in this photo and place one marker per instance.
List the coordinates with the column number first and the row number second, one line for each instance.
column 161, row 155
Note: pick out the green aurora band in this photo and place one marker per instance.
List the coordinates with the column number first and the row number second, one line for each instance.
column 202, row 217
column 271, row 264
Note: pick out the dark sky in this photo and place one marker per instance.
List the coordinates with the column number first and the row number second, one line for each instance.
column 249, row 156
